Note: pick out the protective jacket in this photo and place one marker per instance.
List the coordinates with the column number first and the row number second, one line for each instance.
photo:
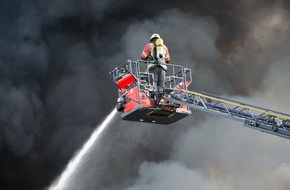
column 156, row 53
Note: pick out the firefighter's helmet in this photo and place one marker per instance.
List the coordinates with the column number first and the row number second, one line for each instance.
column 153, row 36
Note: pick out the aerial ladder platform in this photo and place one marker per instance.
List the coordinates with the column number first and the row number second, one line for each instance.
column 135, row 102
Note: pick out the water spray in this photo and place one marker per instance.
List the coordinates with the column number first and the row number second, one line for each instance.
column 64, row 178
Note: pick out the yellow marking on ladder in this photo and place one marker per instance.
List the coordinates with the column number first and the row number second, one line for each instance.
column 150, row 112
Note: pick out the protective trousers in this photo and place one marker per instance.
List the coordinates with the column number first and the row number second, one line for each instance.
column 159, row 76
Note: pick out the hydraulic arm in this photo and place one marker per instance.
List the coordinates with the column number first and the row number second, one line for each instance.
column 254, row 117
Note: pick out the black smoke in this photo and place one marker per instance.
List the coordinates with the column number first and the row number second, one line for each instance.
column 54, row 62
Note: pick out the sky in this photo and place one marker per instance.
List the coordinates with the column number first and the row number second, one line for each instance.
column 55, row 89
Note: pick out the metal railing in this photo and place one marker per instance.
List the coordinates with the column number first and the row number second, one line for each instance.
column 176, row 75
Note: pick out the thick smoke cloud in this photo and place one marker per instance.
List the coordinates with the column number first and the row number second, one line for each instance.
column 54, row 62
column 276, row 81
column 171, row 175
column 50, row 97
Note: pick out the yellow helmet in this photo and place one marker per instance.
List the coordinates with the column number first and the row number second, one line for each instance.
column 155, row 35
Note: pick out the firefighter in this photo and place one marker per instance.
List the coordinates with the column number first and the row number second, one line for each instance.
column 157, row 55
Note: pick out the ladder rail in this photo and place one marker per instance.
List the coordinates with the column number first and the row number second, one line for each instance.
column 265, row 120
column 235, row 103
